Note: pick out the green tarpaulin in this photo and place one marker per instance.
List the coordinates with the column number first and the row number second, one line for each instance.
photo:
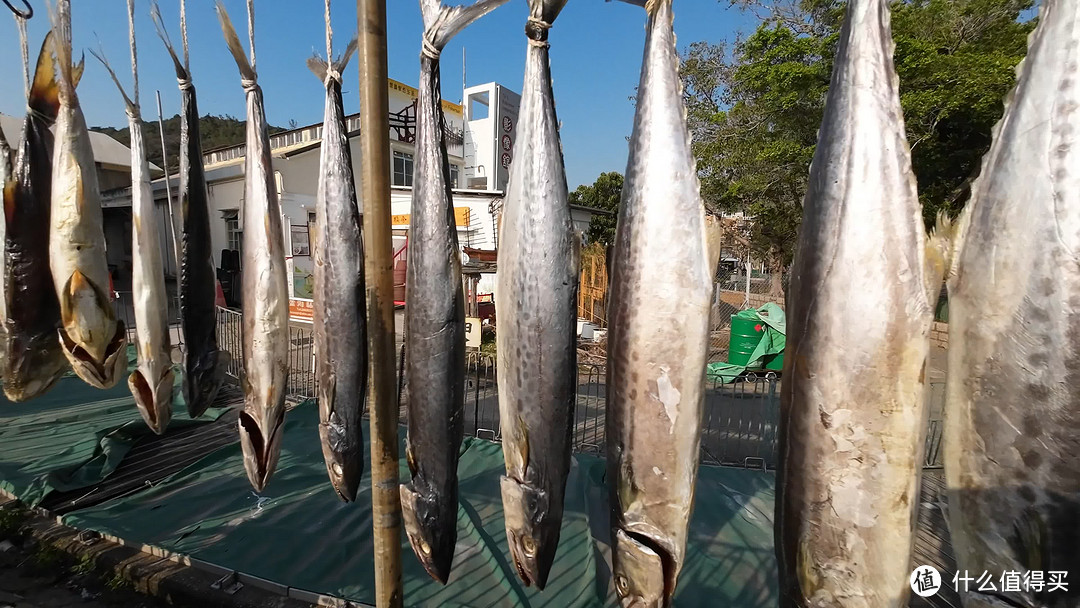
column 773, row 340
column 299, row 534
column 73, row 436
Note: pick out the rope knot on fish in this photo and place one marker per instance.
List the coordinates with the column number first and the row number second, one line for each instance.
column 248, row 85
column 536, row 30
column 429, row 50
column 185, row 84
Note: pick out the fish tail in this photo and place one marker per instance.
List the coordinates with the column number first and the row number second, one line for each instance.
column 322, row 67
column 343, row 59
column 159, row 25
column 100, row 56
column 940, row 247
column 442, row 25
column 60, row 16
column 233, row 41
column 44, row 96
column 318, row 66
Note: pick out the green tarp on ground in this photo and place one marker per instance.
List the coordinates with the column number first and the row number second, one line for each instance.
column 299, row 534
column 73, row 436
column 773, row 340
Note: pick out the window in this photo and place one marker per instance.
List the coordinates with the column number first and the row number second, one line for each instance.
column 300, row 240
column 234, row 235
column 403, row 166
column 453, row 176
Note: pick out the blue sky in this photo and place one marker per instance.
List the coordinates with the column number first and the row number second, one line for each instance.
column 596, row 50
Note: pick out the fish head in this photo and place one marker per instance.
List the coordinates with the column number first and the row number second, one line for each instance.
column 344, row 456
column 532, row 530
column 261, row 447
column 154, row 399
column 203, row 380
column 31, row 371
column 431, row 528
column 639, row 571
column 104, row 373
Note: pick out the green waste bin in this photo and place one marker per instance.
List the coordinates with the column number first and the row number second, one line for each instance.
column 745, row 335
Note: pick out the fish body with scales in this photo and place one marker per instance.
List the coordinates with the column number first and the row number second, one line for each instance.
column 265, row 335
column 434, row 314
column 536, row 296
column 32, row 358
column 661, row 291
column 93, row 339
column 1012, row 417
column 852, row 413
column 205, row 363
column 339, row 316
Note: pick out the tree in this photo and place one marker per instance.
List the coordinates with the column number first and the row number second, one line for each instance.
column 604, row 195
column 755, row 110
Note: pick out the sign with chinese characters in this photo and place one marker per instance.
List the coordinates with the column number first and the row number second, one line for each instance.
column 926, row 581
column 301, row 310
column 472, row 332
column 461, row 218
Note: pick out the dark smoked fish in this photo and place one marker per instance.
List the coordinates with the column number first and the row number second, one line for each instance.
column 1012, row 419
column 204, row 362
column 33, row 359
column 852, row 402
column 340, row 330
column 537, row 339
column 434, row 314
column 94, row 340
column 661, row 290
column 265, row 299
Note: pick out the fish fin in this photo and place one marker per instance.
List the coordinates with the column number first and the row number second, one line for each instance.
column 45, row 92
column 959, row 235
column 77, row 71
column 410, row 459
column 159, row 25
column 343, row 59
column 1029, row 540
column 233, row 42
column 443, row 24
column 939, row 253
column 520, row 458
column 546, row 10
column 318, row 66
column 132, row 109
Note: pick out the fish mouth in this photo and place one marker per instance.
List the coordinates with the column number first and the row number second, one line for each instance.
column 154, row 403
column 261, row 451
column 532, row 530
column 101, row 374
column 644, row 570
column 433, row 546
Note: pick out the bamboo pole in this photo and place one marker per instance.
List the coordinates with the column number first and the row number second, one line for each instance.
column 378, row 270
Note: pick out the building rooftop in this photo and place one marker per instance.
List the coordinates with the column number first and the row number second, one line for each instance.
column 107, row 151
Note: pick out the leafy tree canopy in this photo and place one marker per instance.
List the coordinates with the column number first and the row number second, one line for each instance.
column 754, row 107
column 604, row 194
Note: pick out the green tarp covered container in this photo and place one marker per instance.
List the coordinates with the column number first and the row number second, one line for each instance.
column 758, row 337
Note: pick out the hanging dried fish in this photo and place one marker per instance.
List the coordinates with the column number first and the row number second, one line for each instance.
column 32, row 357
column 661, row 288
column 1012, row 419
column 339, row 319
column 265, row 298
column 204, row 362
column 434, row 314
column 852, row 402
column 152, row 381
column 94, row 340
column 537, row 300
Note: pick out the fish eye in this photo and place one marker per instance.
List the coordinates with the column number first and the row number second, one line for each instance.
column 528, row 546
column 621, row 585
column 336, row 468
column 425, row 548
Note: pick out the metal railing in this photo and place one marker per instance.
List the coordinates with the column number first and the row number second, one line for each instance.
column 739, row 421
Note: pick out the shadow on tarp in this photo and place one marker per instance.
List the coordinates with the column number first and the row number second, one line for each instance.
column 299, row 534
column 74, row 436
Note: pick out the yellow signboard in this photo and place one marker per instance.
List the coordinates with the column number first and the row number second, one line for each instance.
column 461, row 218
column 413, row 93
